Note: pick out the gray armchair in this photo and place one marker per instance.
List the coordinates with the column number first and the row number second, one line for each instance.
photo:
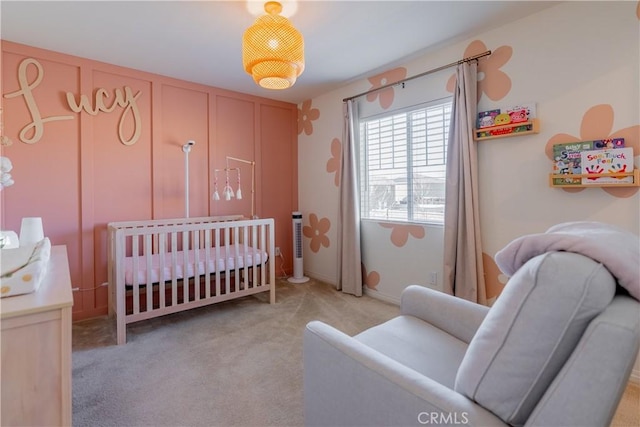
column 556, row 349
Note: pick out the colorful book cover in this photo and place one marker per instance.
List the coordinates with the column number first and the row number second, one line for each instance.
column 485, row 118
column 607, row 161
column 601, row 144
column 567, row 158
column 527, row 110
column 520, row 113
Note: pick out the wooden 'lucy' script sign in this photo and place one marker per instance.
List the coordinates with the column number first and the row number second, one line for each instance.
column 123, row 98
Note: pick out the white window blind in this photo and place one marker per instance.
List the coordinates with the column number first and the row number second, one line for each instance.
column 402, row 163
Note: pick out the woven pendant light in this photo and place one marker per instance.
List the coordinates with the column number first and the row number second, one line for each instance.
column 273, row 50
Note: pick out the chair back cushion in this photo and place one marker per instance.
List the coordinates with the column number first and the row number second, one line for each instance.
column 530, row 332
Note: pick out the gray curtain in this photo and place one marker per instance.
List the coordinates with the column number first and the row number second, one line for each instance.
column 463, row 269
column 349, row 257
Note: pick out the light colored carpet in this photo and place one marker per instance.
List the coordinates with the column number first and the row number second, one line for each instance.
column 237, row 363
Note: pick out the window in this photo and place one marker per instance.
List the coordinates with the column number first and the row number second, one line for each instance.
column 402, row 163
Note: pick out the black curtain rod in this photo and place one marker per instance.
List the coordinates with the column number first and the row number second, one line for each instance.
column 453, row 64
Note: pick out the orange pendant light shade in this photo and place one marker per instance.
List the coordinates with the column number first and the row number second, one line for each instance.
column 273, row 50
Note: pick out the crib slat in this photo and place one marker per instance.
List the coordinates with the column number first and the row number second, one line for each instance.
column 136, row 268
column 260, row 247
column 269, row 257
column 245, row 257
column 196, row 264
column 264, row 259
column 227, row 276
column 207, row 268
column 148, row 251
column 174, row 268
column 254, row 244
column 185, row 266
column 272, row 263
column 121, row 290
column 236, row 255
column 162, row 241
column 218, row 271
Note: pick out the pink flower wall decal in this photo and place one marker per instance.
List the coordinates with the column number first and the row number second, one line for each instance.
column 316, row 231
column 597, row 123
column 401, row 232
column 386, row 96
column 306, row 116
column 493, row 82
column 370, row 280
column 333, row 164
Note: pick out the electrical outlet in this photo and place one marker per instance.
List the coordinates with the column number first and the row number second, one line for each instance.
column 278, row 253
column 433, row 278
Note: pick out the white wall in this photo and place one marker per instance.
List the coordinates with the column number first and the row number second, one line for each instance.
column 567, row 59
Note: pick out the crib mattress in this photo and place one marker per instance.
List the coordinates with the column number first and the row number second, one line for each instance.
column 228, row 259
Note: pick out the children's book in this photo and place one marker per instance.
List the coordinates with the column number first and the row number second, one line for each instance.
column 608, row 143
column 527, row 110
column 521, row 112
column 486, row 118
column 567, row 158
column 607, row 161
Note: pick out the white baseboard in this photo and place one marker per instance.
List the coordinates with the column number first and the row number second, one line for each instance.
column 635, row 377
column 377, row 295
column 369, row 292
column 321, row 277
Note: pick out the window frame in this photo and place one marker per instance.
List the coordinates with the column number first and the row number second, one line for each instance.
column 363, row 165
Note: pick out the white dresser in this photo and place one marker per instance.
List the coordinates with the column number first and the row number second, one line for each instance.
column 36, row 350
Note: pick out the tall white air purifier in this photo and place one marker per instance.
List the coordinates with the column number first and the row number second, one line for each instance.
column 298, row 267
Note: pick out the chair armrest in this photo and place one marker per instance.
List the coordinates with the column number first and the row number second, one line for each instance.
column 590, row 385
column 348, row 383
column 457, row 316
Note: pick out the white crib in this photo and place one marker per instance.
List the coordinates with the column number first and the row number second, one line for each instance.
column 159, row 267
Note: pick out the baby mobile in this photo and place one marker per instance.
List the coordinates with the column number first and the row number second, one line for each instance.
column 227, row 191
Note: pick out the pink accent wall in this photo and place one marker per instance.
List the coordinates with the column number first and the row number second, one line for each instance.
column 277, row 165
column 79, row 176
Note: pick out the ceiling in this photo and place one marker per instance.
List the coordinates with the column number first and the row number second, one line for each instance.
column 200, row 41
